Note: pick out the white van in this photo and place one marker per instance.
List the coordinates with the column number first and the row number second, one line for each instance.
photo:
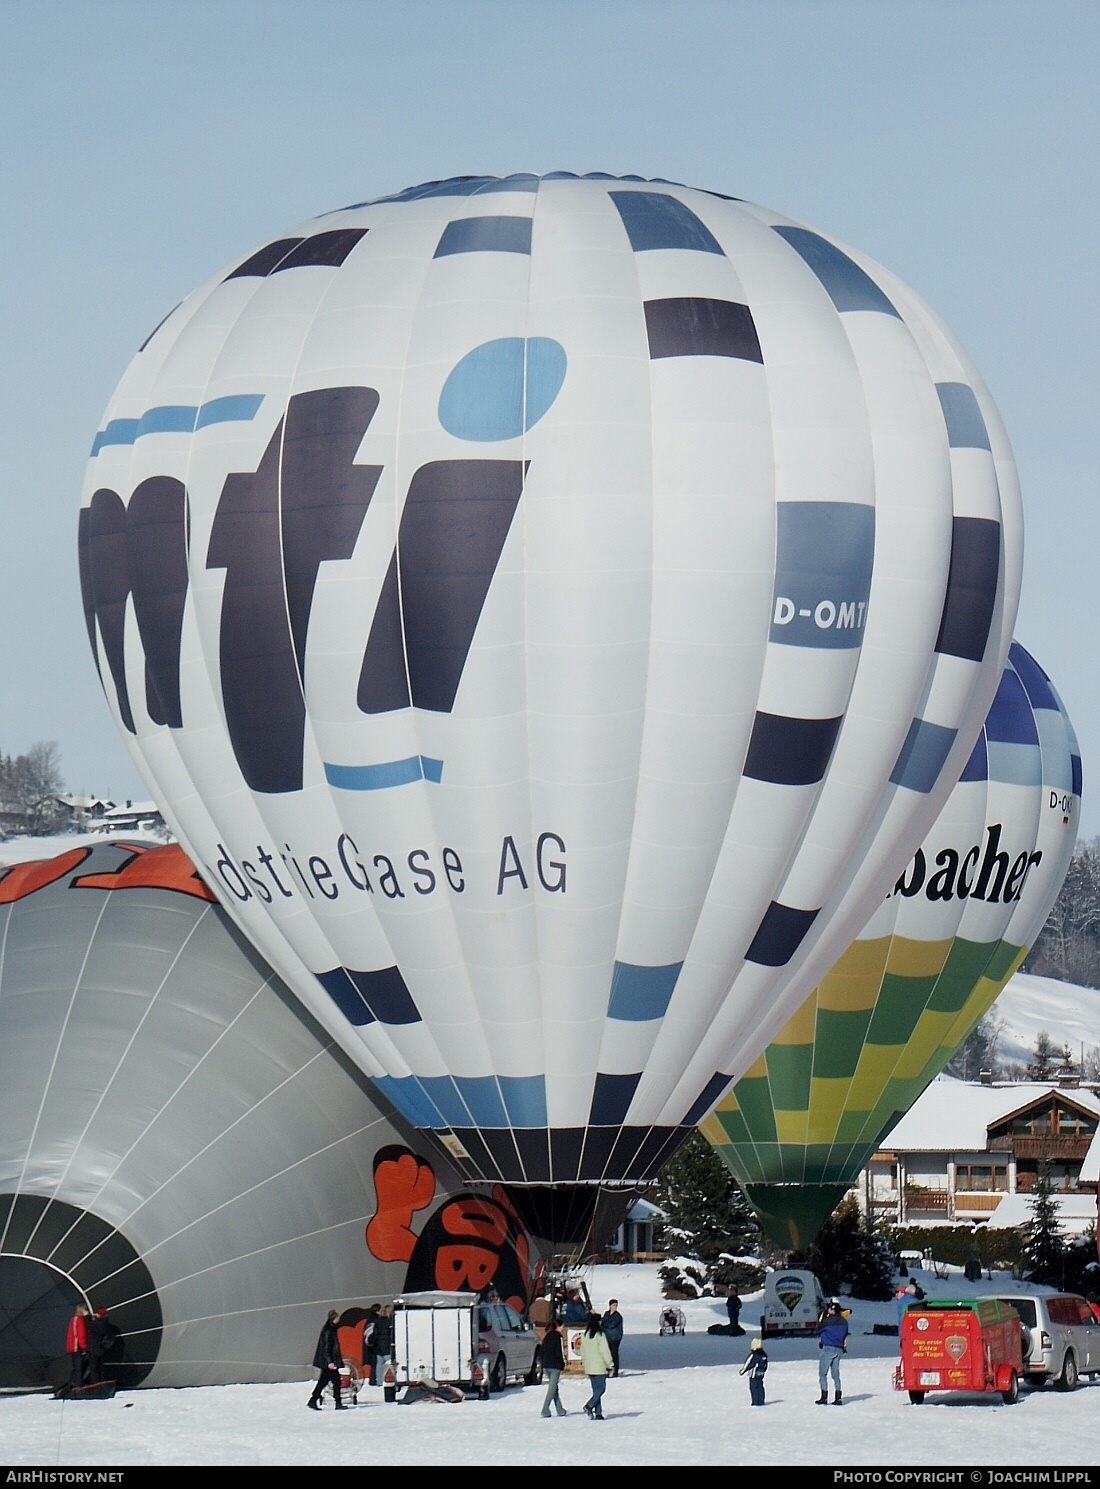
column 793, row 1303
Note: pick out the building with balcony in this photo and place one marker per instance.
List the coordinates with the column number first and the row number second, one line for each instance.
column 967, row 1152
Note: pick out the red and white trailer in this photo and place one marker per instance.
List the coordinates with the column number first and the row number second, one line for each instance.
column 970, row 1344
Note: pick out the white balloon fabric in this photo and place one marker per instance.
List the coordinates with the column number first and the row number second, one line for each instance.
column 551, row 610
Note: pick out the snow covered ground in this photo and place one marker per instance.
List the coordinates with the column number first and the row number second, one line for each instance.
column 680, row 1401
column 29, row 850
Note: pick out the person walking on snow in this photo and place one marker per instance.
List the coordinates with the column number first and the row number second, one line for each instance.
column 755, row 1368
column 832, row 1341
column 613, row 1332
column 327, row 1359
column 597, row 1362
column 553, row 1360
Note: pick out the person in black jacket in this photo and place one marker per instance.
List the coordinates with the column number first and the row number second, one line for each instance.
column 613, row 1332
column 733, row 1311
column 370, row 1341
column 103, row 1338
column 327, row 1359
column 383, row 1343
column 553, row 1362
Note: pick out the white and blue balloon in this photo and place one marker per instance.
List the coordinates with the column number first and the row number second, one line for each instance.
column 552, row 610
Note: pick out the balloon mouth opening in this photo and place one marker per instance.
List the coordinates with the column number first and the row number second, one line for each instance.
column 573, row 1219
column 39, row 1296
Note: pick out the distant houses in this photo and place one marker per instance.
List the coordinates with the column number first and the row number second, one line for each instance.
column 68, row 813
column 132, row 816
column 969, row 1152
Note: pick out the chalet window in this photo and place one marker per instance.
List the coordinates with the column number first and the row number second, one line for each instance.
column 1073, row 1124
column 981, row 1178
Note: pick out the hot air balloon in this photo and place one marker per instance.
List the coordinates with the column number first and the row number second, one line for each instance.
column 551, row 610
column 181, row 1144
column 806, row 1117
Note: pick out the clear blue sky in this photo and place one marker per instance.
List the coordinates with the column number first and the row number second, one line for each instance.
column 147, row 144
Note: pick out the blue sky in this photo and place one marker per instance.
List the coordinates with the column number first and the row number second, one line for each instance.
column 145, row 146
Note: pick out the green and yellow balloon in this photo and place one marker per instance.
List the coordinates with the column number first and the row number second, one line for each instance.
column 800, row 1124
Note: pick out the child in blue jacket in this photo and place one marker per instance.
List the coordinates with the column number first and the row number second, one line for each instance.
column 755, row 1368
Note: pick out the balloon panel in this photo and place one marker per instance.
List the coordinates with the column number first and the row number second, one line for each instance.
column 551, row 610
column 932, row 960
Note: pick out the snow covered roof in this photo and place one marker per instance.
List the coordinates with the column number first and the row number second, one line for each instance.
column 954, row 1116
column 642, row 1210
column 1075, row 1211
column 135, row 809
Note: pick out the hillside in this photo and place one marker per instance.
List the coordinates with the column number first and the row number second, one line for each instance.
column 1069, row 1014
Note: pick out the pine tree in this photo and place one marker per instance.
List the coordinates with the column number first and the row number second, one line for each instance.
column 850, row 1251
column 29, row 787
column 1044, row 1246
column 707, row 1212
column 871, row 1274
column 1045, row 1060
column 1068, row 946
column 978, row 1051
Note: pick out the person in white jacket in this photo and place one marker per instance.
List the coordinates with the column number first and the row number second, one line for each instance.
column 597, row 1362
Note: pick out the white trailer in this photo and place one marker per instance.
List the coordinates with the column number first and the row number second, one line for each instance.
column 435, row 1338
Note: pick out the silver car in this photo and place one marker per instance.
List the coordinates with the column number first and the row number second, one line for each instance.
column 1060, row 1338
column 510, row 1346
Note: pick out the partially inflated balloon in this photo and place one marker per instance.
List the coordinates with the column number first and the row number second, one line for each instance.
column 182, row 1144
column 803, row 1121
column 541, row 604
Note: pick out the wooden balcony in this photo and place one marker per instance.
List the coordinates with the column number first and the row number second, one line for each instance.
column 933, row 1201
column 1057, row 1149
column 977, row 1202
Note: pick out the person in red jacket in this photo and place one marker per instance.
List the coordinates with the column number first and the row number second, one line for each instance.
column 76, row 1344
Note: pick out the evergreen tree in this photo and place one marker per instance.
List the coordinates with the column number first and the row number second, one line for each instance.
column 29, row 787
column 707, row 1212
column 871, row 1273
column 1068, row 946
column 849, row 1251
column 1044, row 1246
column 978, row 1050
column 1046, row 1059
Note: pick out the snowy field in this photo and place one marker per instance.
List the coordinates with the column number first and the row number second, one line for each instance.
column 680, row 1401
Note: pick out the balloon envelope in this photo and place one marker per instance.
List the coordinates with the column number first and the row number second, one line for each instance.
column 802, row 1122
column 182, row 1144
column 541, row 605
